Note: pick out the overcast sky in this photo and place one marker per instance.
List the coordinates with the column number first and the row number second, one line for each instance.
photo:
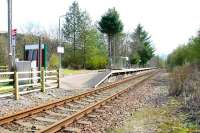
column 169, row 22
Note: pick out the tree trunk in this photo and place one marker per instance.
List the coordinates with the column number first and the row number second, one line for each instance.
column 74, row 45
column 110, row 50
column 84, row 53
column 74, row 24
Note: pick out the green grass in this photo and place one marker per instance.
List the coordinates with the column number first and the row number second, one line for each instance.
column 70, row 71
column 6, row 89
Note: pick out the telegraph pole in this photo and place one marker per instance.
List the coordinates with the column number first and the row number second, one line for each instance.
column 59, row 39
column 10, row 33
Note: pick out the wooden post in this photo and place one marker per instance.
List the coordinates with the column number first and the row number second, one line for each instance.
column 42, row 80
column 31, row 81
column 16, row 85
column 58, row 77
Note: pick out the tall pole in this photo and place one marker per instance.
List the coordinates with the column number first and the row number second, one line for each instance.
column 10, row 33
column 59, row 39
column 39, row 53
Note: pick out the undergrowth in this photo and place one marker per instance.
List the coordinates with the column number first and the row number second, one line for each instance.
column 185, row 84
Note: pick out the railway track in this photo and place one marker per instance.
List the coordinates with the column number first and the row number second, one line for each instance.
column 54, row 116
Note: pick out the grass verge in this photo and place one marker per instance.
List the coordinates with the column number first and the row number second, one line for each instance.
column 163, row 119
column 5, row 87
column 70, row 71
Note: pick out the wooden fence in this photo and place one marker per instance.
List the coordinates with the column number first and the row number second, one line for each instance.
column 3, row 68
column 16, row 84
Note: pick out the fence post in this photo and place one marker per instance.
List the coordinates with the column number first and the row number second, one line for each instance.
column 42, row 80
column 58, row 77
column 16, row 85
column 31, row 75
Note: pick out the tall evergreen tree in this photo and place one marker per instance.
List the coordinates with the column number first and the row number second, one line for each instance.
column 85, row 28
column 110, row 24
column 142, row 45
column 75, row 22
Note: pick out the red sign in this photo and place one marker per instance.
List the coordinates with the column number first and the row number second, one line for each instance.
column 14, row 32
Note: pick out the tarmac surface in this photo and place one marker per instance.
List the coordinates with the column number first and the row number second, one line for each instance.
column 84, row 80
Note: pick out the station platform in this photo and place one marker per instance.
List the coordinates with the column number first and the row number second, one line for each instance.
column 94, row 79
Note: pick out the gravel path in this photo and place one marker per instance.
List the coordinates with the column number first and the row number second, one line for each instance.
column 151, row 92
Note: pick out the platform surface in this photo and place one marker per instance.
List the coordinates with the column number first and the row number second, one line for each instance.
column 91, row 79
column 85, row 80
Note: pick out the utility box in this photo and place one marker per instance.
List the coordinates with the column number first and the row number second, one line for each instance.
column 23, row 66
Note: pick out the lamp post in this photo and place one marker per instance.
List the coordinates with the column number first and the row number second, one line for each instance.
column 59, row 39
column 10, row 33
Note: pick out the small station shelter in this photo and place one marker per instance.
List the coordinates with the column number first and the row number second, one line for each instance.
column 32, row 54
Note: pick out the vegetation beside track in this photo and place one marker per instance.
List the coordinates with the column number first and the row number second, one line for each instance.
column 160, row 113
column 162, row 120
column 184, row 65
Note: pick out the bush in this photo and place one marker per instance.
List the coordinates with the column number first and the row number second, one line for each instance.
column 135, row 58
column 185, row 83
column 177, row 79
column 54, row 61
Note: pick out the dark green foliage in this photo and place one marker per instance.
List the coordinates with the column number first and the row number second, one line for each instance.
column 71, row 27
column 135, row 58
column 142, row 45
column 110, row 23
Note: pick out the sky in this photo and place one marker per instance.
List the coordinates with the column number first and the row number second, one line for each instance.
column 169, row 22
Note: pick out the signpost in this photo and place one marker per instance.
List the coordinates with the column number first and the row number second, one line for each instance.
column 14, row 33
column 10, row 33
column 60, row 50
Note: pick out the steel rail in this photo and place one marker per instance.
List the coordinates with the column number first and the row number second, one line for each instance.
column 52, row 104
column 74, row 117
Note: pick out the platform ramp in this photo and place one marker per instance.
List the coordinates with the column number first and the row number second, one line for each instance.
column 81, row 81
column 99, row 78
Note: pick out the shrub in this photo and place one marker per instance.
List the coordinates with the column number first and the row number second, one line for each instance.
column 54, row 61
column 177, row 79
column 185, row 83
